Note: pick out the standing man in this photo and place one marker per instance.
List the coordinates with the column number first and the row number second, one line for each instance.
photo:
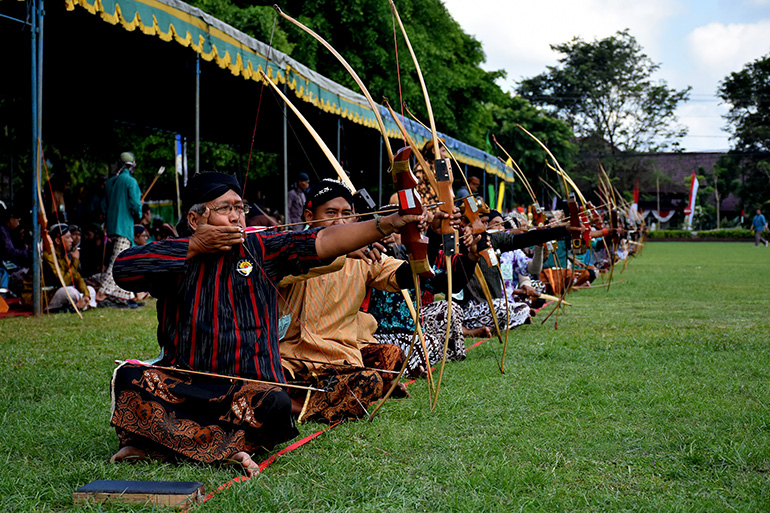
column 124, row 209
column 760, row 224
column 296, row 199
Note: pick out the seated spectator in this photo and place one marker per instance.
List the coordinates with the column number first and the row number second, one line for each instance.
column 141, row 235
column 54, row 294
column 14, row 261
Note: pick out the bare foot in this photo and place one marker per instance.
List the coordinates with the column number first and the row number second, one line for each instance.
column 244, row 459
column 128, row 453
column 482, row 332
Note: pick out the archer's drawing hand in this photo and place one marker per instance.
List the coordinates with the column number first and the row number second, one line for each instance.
column 209, row 238
column 369, row 254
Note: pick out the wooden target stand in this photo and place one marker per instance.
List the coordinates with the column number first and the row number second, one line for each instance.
column 179, row 494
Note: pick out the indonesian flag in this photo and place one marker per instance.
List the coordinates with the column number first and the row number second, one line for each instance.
column 690, row 210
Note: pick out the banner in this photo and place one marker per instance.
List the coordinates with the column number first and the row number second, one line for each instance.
column 690, row 210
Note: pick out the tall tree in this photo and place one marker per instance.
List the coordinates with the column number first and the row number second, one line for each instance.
column 748, row 93
column 605, row 90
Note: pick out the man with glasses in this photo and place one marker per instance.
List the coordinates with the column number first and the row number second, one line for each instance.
column 218, row 313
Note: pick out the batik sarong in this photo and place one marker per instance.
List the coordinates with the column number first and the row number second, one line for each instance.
column 171, row 414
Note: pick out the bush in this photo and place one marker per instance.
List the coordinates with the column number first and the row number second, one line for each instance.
column 732, row 233
column 670, row 234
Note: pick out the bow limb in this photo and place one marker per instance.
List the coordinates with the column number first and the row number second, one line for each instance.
column 517, row 170
column 417, row 333
column 507, row 321
column 428, row 107
column 613, row 217
column 324, row 148
column 448, row 328
column 47, row 241
column 214, row 374
column 558, row 168
column 350, row 70
column 443, row 177
column 421, row 335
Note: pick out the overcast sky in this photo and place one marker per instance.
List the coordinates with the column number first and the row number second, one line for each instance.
column 696, row 43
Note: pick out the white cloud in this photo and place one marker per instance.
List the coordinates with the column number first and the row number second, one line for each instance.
column 717, row 49
column 705, row 122
column 517, row 35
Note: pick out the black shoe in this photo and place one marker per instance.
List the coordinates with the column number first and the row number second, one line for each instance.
column 135, row 304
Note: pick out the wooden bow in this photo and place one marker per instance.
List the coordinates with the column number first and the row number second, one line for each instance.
column 484, row 249
column 442, row 176
column 409, row 200
column 48, row 244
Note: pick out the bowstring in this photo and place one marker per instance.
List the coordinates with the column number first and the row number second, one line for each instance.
column 398, row 70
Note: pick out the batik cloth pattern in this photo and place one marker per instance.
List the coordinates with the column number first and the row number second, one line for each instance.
column 171, row 414
column 513, row 264
column 350, row 393
column 109, row 286
column 477, row 315
column 433, row 323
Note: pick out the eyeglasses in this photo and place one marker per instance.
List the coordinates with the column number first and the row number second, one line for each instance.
column 227, row 208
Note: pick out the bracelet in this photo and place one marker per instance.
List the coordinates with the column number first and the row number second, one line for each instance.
column 605, row 232
column 379, row 228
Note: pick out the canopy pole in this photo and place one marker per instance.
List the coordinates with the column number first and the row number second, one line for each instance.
column 197, row 117
column 36, row 67
column 285, row 160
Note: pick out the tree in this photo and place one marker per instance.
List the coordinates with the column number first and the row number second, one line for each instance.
column 604, row 89
column 748, row 93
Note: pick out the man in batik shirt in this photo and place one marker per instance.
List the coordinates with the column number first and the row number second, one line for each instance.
column 217, row 313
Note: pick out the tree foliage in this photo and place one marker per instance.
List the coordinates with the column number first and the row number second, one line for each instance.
column 605, row 90
column 748, row 93
column 466, row 101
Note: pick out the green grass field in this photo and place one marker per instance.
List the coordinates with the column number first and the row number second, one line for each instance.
column 654, row 396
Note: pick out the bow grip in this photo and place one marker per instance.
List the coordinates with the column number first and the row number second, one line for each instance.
column 443, row 171
column 363, row 202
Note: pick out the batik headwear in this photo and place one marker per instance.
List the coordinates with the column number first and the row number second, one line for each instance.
column 58, row 230
column 326, row 190
column 207, row 186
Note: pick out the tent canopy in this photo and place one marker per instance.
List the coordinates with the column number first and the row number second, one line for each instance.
column 244, row 56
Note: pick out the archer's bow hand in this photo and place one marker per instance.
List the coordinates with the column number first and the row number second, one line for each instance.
column 394, row 222
column 455, row 220
column 471, row 242
column 575, row 229
column 210, row 238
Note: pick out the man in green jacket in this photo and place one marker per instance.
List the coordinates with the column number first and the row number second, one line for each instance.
column 124, row 209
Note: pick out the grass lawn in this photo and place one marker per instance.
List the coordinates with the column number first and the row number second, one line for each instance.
column 654, row 396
